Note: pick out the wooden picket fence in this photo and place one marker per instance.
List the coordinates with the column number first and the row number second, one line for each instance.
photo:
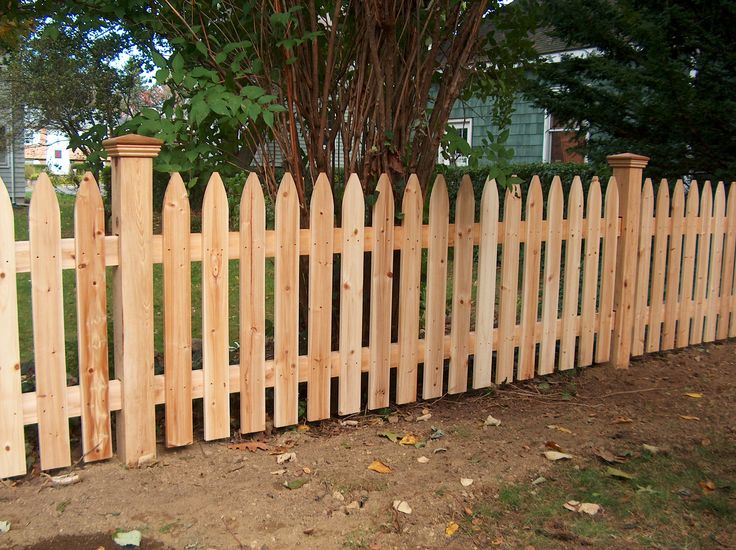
column 558, row 312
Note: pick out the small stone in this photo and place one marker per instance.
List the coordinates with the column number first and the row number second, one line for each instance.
column 393, row 419
column 490, row 421
column 355, row 505
column 337, row 495
column 539, row 480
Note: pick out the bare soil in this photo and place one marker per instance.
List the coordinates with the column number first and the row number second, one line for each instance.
column 211, row 496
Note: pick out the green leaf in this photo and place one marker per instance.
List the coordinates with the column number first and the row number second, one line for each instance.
column 177, row 68
column 391, row 436
column 201, row 47
column 295, row 483
column 615, row 472
column 252, row 92
column 159, row 59
column 268, row 118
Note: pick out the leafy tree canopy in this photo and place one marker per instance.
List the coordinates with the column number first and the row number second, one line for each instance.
column 660, row 82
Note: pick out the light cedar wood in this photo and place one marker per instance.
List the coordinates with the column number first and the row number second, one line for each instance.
column 215, row 323
column 702, row 263
column 351, row 296
column 659, row 268
column 485, row 308
column 608, row 275
column 382, row 257
column 286, row 305
column 644, row 253
column 718, row 226
column 590, row 273
column 177, row 273
column 572, row 274
column 12, row 443
column 89, row 232
column 411, row 280
column 551, row 282
column 463, row 288
column 434, row 315
column 726, row 320
column 252, row 307
column 674, row 263
column 509, row 286
column 688, row 265
column 48, row 326
column 530, row 286
column 322, row 221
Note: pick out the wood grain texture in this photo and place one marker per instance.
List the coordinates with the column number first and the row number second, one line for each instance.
column 252, row 307
column 551, row 281
column 322, row 221
column 177, row 275
column 530, row 287
column 48, row 326
column 688, row 265
column 486, row 298
column 89, row 232
column 286, row 305
column 659, row 268
column 12, row 441
column 718, row 225
column 382, row 268
column 725, row 320
column 702, row 263
column 410, row 286
column 572, row 274
column 434, row 315
column 644, row 254
column 463, row 288
column 215, row 311
column 509, row 286
column 351, row 296
column 590, row 273
column 674, row 267
column 608, row 275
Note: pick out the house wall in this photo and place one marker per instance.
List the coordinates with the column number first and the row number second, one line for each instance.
column 526, row 135
column 12, row 169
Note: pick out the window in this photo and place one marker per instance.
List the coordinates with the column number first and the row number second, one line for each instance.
column 559, row 140
column 28, row 137
column 464, row 128
column 57, row 154
column 4, row 146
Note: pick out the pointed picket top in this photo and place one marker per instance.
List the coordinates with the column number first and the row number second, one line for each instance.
column 176, row 192
column 706, row 200
column 647, row 194
column 385, row 194
column 593, row 201
column 252, row 192
column 663, row 193
column 287, row 188
column 534, row 198
column 43, row 190
column 439, row 199
column 719, row 204
column 576, row 198
column 89, row 191
column 612, row 197
column 693, row 199
column 412, row 194
column 678, row 196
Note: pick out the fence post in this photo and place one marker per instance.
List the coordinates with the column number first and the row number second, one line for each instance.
column 627, row 169
column 132, row 212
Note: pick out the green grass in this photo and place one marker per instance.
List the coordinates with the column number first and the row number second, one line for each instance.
column 664, row 506
column 66, row 206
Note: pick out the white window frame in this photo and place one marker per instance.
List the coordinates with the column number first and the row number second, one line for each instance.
column 458, row 124
column 548, row 131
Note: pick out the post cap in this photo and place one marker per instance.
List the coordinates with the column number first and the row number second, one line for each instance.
column 627, row 160
column 133, row 145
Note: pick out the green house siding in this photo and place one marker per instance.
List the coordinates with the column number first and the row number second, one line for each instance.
column 526, row 134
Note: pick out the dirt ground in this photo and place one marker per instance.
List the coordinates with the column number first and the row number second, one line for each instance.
column 211, row 496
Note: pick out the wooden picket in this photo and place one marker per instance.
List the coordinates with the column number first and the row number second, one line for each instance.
column 486, row 298
column 683, row 294
column 320, row 300
column 351, row 296
column 89, row 228
column 286, row 305
column 252, row 307
column 215, row 337
column 382, row 260
column 410, row 288
column 48, row 326
column 434, row 322
column 12, row 440
column 571, row 292
column 177, row 271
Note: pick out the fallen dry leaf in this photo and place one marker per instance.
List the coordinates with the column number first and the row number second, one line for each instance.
column 688, row 417
column 424, row 417
column 707, row 486
column 490, row 421
column 552, row 445
column 379, row 467
column 615, row 472
column 402, row 506
column 278, row 472
column 349, row 423
column 589, row 508
column 303, row 428
column 607, row 456
column 466, row 481
column 251, row 446
column 651, row 449
column 451, row 529
column 422, row 460
column 559, row 429
column 66, row 479
column 409, row 439
column 285, row 457
column 391, row 436
column 468, row 511
column 307, row 470
column 622, row 420
column 694, row 395
column 555, row 455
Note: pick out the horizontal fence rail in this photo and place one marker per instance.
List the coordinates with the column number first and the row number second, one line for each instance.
column 528, row 287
